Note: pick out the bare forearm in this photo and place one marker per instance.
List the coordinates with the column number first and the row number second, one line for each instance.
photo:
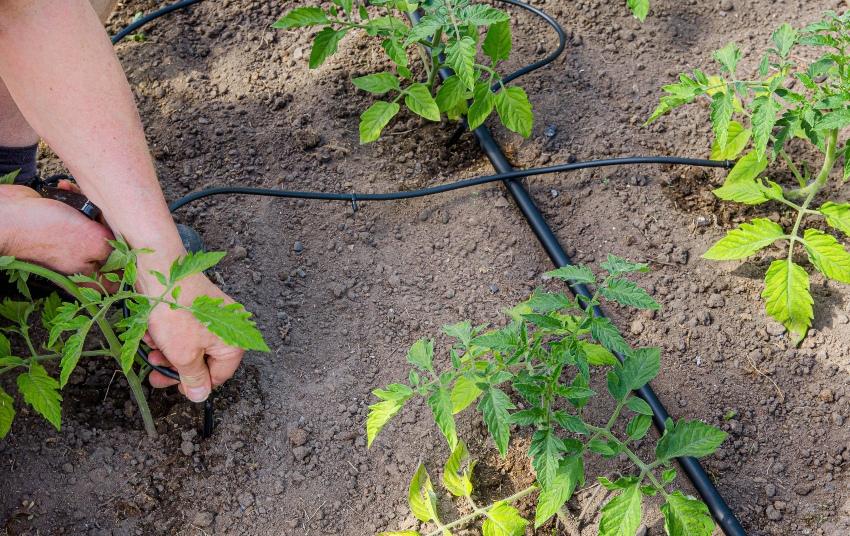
column 59, row 66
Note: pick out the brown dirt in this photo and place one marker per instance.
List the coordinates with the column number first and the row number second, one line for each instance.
column 228, row 101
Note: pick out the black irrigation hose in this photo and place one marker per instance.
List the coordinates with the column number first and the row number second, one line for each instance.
column 136, row 24
column 466, row 183
column 705, row 487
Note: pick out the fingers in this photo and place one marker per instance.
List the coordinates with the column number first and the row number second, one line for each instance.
column 156, row 379
column 223, row 366
column 195, row 378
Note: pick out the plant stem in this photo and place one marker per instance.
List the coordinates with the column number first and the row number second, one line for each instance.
column 136, row 388
column 788, row 162
column 478, row 512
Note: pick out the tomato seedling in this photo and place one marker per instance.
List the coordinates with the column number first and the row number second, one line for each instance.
column 69, row 322
column 790, row 98
column 544, row 358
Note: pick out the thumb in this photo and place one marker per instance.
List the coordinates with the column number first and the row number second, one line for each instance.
column 195, row 379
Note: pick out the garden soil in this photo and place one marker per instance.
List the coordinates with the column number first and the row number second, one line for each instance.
column 341, row 294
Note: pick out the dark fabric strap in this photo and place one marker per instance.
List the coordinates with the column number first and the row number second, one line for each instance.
column 22, row 158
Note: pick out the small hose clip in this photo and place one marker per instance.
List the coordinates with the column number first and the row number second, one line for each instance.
column 354, row 202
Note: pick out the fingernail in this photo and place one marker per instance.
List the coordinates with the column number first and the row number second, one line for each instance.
column 197, row 394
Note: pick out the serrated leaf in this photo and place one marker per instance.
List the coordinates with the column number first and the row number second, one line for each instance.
column 728, row 57
column 131, row 340
column 688, row 438
column 515, row 110
column 837, row 215
column 494, row 406
column 784, row 38
column 787, row 297
column 420, row 496
column 230, row 322
column 747, row 168
column 571, row 423
column 460, row 56
column 640, row 8
column 194, row 263
column 737, row 139
column 393, row 399
column 9, row 178
column 503, row 520
column 751, row 192
column 600, row 447
column 7, row 413
column 457, row 474
column 686, row 516
column 746, row 240
column 607, row 334
column 639, row 406
column 377, row 83
column 450, row 94
column 576, row 274
column 837, row 119
column 482, row 15
column 827, row 255
column 419, row 100
column 763, row 120
column 440, row 403
column 638, row 426
column 545, row 453
column 621, row 516
column 615, row 265
column 639, row 367
column 5, row 346
column 570, row 474
column 42, row 393
column 482, row 106
column 497, row 44
column 301, row 17
column 598, row 355
column 71, row 353
column 424, row 29
column 395, row 52
column 421, row 354
column 464, row 393
column 375, row 118
column 626, row 292
column 721, row 115
column 325, row 45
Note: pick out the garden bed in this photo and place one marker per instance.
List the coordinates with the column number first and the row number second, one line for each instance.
column 341, row 295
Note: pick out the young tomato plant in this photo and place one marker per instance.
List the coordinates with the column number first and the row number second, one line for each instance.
column 448, row 36
column 69, row 321
column 789, row 98
column 544, row 356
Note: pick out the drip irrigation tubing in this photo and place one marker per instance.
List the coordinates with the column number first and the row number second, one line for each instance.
column 506, row 174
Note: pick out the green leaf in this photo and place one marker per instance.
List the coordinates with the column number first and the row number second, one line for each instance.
column 375, row 118
column 424, row 29
column 721, row 115
column 763, row 120
column 571, row 423
column 615, row 265
column 7, row 413
column 421, row 354
column 9, row 178
column 639, row 406
column 787, row 297
column 440, row 403
column 784, row 38
column 638, row 426
column 464, row 393
column 607, row 334
column 5, row 346
column 688, row 438
column 598, row 355
column 834, row 120
column 393, row 399
column 640, row 8
column 420, row 496
column 751, row 192
column 545, row 453
column 457, row 475
column 737, row 139
column 827, row 255
column 837, row 215
column 194, row 263
column 482, row 105
column 395, row 52
column 71, row 353
column 482, row 15
column 622, row 515
column 575, row 274
column 503, row 520
column 131, row 340
column 744, row 241
column 16, row 311
column 686, row 516
column 387, row 25
column 570, row 474
column 497, row 45
column 547, row 302
column 302, row 16
column 377, row 83
column 460, row 56
column 42, row 393
column 230, row 322
column 450, row 94
column 640, row 366
column 728, row 57
column 626, row 292
column 600, row 447
column 515, row 110
column 418, row 98
column 325, row 45
column 494, row 406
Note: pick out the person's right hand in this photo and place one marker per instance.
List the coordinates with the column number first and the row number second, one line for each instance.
column 50, row 233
